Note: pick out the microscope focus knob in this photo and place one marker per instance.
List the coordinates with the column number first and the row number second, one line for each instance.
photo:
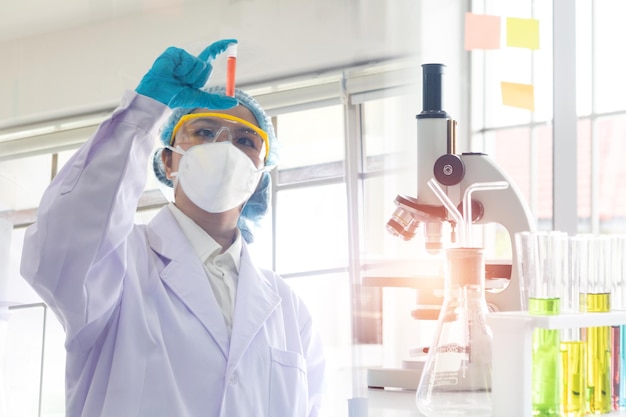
column 449, row 169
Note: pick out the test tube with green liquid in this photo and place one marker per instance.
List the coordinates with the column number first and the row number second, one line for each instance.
column 595, row 297
column 543, row 260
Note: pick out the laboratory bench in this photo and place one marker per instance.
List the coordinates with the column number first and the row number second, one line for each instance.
column 512, row 356
column 401, row 403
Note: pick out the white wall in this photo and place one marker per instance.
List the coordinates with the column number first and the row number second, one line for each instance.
column 90, row 65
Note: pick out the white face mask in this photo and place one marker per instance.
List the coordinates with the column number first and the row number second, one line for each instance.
column 216, row 176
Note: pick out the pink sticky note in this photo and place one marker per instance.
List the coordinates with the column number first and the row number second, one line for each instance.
column 482, row 31
column 518, row 95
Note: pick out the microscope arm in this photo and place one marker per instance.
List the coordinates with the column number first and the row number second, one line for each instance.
column 506, row 207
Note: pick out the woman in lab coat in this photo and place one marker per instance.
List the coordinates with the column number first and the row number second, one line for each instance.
column 172, row 318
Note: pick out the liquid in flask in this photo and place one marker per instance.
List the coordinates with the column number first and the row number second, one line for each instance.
column 456, row 380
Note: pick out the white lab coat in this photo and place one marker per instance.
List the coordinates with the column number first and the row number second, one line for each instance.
column 144, row 333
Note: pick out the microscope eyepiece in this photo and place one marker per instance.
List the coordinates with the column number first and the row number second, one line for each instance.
column 432, row 85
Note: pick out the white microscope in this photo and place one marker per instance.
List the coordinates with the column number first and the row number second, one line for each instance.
column 454, row 174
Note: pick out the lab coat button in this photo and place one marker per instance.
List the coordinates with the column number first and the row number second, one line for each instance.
column 234, row 380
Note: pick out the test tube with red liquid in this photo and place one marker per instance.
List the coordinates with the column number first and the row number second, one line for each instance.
column 231, row 66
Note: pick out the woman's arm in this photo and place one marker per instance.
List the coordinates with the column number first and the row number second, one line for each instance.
column 87, row 212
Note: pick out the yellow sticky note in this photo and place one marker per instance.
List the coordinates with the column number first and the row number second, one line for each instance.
column 481, row 31
column 518, row 95
column 522, row 33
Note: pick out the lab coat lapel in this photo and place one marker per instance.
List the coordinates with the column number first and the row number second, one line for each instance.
column 185, row 275
column 255, row 301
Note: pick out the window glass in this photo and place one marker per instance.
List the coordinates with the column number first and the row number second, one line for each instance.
column 53, row 389
column 511, row 150
column 518, row 65
column 390, row 133
column 583, row 178
column 327, row 297
column 21, row 375
column 599, row 174
column 584, row 61
column 611, row 134
column 17, row 289
column 23, row 181
column 63, row 157
column 608, row 65
column 262, row 248
column 311, row 228
column 310, row 137
column 24, row 339
column 525, row 155
column 390, row 148
column 144, row 216
column 27, row 341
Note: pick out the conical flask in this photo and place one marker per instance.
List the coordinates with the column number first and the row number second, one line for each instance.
column 456, row 380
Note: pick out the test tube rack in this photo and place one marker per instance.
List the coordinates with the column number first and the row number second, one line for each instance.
column 512, row 353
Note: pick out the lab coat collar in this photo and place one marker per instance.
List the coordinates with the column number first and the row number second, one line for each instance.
column 257, row 298
column 203, row 244
column 185, row 275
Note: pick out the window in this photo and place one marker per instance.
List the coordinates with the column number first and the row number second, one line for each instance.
column 23, row 180
column 521, row 141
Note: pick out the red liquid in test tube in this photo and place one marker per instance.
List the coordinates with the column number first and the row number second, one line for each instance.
column 231, row 66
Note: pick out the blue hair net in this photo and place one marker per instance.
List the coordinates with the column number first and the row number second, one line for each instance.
column 258, row 204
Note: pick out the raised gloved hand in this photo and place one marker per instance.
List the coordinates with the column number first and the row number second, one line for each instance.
column 176, row 77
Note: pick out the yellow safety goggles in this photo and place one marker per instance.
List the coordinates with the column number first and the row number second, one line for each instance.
column 199, row 128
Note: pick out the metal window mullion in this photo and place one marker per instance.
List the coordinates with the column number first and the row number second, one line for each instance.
column 43, row 345
column 565, row 120
column 532, row 140
column 595, row 175
column 353, row 166
column 595, row 157
column 533, row 169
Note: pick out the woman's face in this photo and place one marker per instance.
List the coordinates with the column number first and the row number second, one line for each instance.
column 172, row 159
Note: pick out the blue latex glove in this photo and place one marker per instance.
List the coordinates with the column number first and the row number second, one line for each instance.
column 176, row 77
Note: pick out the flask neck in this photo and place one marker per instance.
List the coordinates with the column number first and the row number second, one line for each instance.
column 467, row 297
column 467, row 290
column 465, row 268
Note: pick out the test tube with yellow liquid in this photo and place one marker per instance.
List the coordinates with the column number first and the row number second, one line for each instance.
column 573, row 388
column 573, row 346
column 595, row 297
